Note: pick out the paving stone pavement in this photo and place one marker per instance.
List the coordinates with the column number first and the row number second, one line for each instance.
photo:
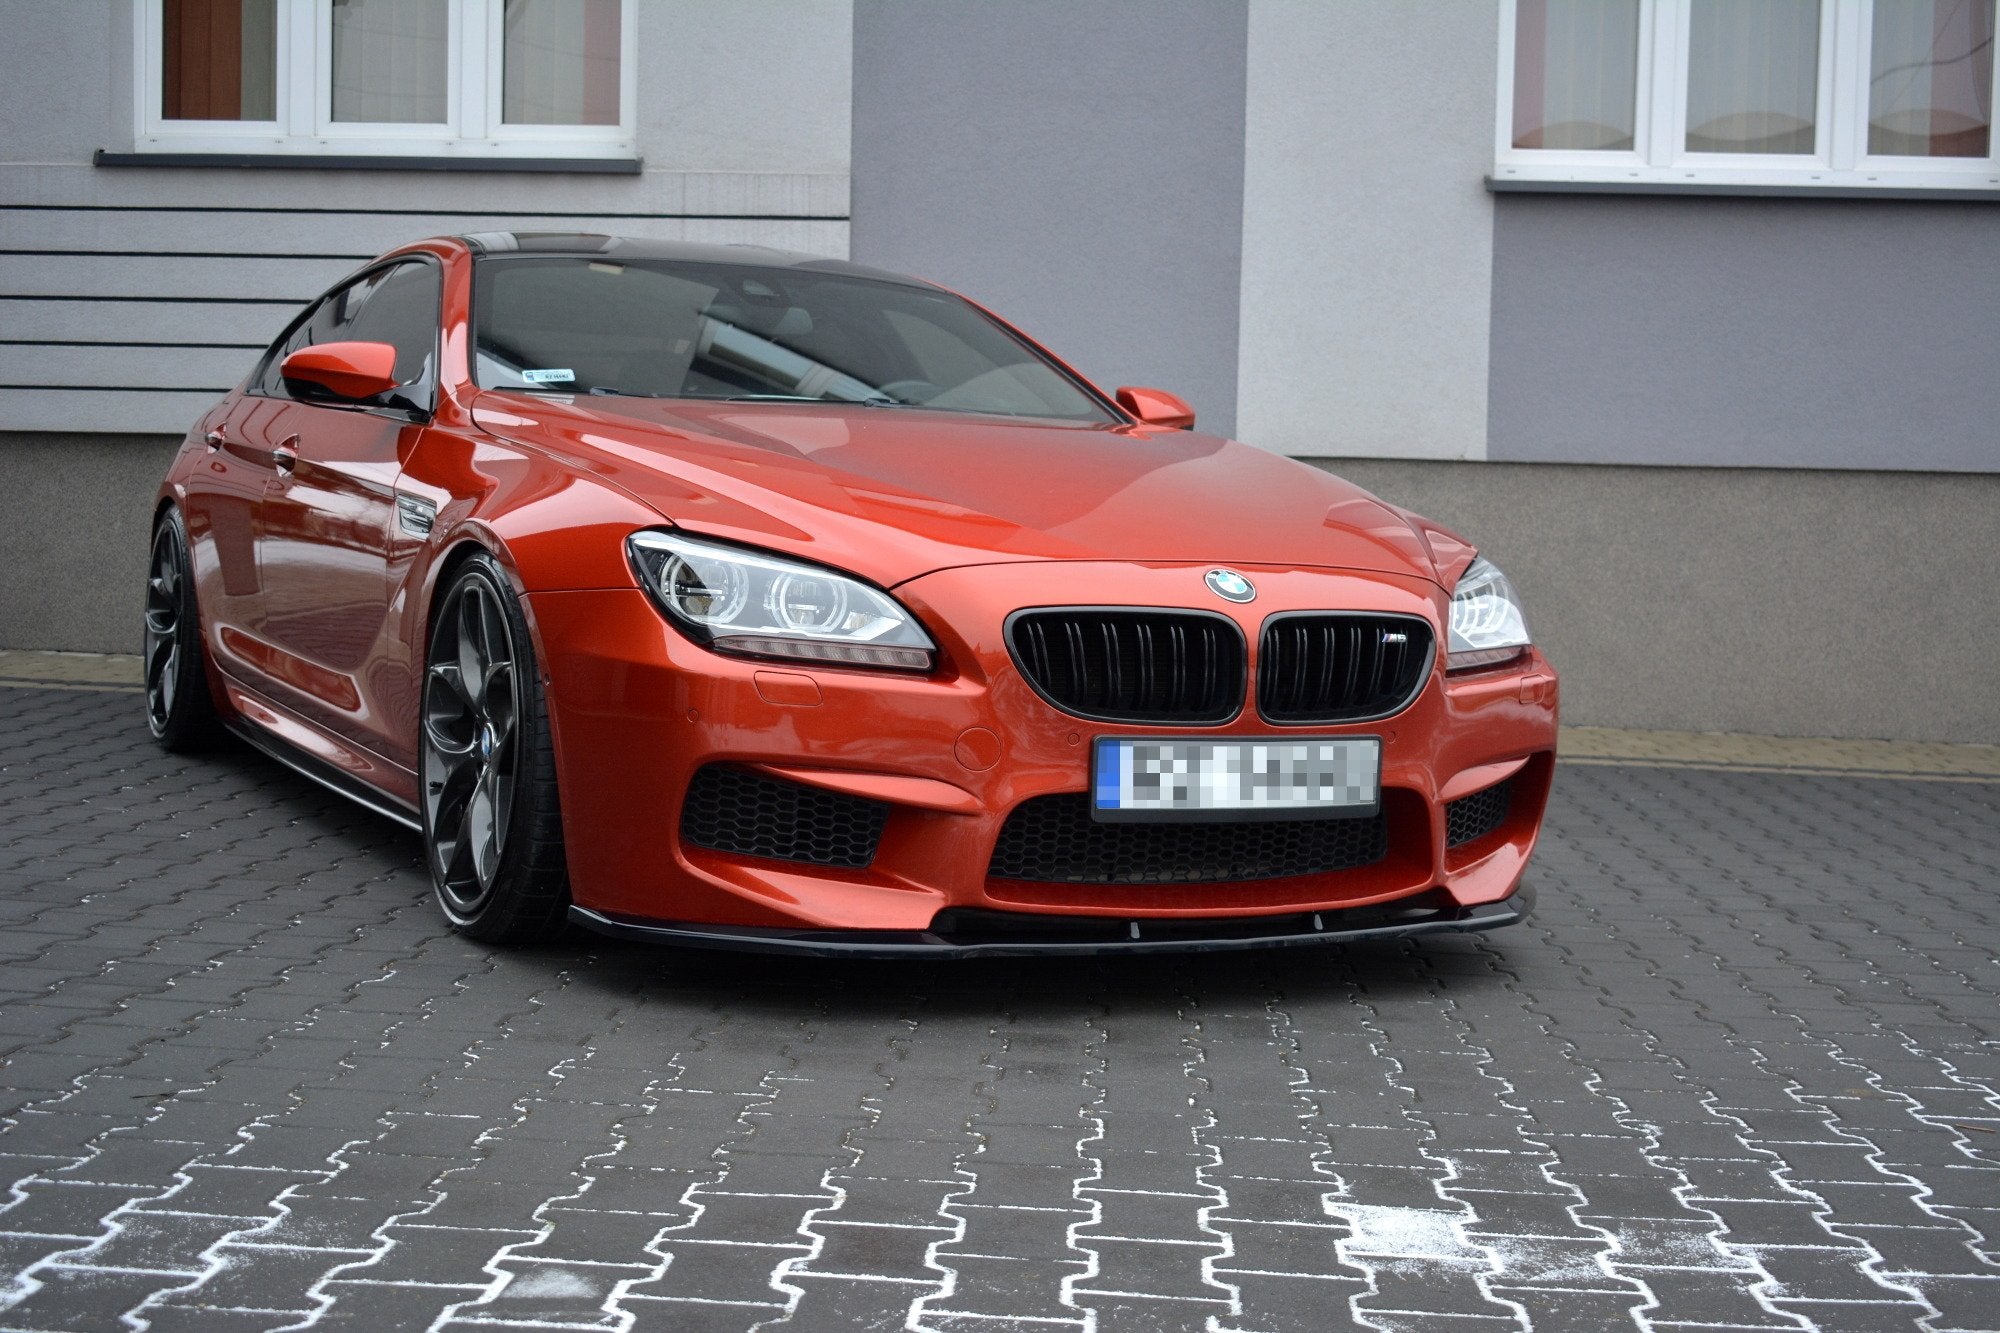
column 1738, row 1072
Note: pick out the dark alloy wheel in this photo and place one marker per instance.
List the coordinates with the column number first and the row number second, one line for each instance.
column 179, row 711
column 492, row 832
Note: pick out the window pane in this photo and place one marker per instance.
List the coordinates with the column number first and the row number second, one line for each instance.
column 1576, row 68
column 1930, row 85
column 1753, row 76
column 390, row 61
column 400, row 308
column 219, row 60
column 561, row 63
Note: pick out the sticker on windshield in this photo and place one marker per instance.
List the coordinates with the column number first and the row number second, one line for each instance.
column 548, row 376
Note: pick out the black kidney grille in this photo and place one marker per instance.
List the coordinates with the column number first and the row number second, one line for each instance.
column 732, row 809
column 1053, row 839
column 1470, row 818
column 1132, row 666
column 1340, row 668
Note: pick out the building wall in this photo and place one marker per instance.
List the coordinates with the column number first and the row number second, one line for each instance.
column 1816, row 333
column 130, row 296
column 1367, row 234
column 76, row 517
column 1075, row 164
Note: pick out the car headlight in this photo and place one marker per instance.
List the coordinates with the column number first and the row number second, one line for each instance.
column 754, row 605
column 1487, row 623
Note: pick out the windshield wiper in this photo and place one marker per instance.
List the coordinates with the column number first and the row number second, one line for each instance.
column 883, row 401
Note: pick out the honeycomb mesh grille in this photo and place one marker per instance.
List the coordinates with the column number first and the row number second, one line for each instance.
column 1053, row 839
column 1340, row 668
column 734, row 810
column 1182, row 667
column 1470, row 818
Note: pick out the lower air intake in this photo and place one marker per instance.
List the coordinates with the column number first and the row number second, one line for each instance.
column 1471, row 818
column 731, row 809
column 1053, row 839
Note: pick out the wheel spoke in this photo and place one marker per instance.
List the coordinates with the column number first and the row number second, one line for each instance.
column 497, row 704
column 480, row 830
column 448, row 804
column 170, row 675
column 459, row 868
column 471, row 658
column 450, row 718
column 448, row 675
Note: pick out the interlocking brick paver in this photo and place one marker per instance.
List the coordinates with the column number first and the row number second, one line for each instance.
column 1738, row 1070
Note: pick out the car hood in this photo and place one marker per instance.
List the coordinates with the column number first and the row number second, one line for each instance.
column 892, row 494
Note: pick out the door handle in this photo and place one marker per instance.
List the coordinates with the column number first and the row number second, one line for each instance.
column 284, row 456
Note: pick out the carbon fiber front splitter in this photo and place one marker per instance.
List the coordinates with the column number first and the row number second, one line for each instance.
column 968, row 933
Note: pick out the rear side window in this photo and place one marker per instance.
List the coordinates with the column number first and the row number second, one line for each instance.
column 397, row 305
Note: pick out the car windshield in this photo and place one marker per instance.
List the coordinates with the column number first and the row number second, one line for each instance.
column 670, row 329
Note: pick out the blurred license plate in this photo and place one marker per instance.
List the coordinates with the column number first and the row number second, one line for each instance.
column 1277, row 778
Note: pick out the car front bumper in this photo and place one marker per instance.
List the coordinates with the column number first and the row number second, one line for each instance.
column 638, row 710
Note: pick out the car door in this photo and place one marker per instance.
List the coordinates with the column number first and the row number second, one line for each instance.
column 322, row 641
column 227, row 492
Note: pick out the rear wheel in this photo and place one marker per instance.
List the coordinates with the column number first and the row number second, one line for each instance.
column 492, row 825
column 180, row 712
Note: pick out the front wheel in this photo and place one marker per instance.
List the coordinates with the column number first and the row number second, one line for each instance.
column 492, row 824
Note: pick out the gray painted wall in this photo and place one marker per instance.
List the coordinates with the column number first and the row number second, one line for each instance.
column 1075, row 164
column 1746, row 332
column 78, row 519
column 1788, row 603
column 1367, row 233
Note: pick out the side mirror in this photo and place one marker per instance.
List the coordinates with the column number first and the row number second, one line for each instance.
column 346, row 370
column 1156, row 407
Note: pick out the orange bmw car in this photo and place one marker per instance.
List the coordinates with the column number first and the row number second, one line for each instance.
column 719, row 595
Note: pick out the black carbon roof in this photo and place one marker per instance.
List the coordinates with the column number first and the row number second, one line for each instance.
column 602, row 245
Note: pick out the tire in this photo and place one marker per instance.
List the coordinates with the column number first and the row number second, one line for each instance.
column 180, row 711
column 492, row 822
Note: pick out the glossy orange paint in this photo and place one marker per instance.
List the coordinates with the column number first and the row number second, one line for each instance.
column 349, row 369
column 1157, row 407
column 315, row 596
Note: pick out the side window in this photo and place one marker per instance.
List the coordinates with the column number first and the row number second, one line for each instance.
column 317, row 327
column 400, row 307
column 396, row 305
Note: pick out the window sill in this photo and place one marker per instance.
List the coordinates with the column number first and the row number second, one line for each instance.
column 1740, row 189
column 599, row 166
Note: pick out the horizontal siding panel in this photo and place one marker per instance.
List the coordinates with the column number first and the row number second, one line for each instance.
column 125, row 305
column 143, row 322
column 125, row 367
column 650, row 194
column 354, row 238
column 152, row 276
column 148, row 413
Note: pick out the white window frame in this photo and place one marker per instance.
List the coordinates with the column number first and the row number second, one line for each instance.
column 1659, row 160
column 305, row 126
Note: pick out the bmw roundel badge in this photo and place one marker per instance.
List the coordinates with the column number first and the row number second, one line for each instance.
column 1230, row 586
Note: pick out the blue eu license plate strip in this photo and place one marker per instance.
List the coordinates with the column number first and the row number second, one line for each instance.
column 1269, row 778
